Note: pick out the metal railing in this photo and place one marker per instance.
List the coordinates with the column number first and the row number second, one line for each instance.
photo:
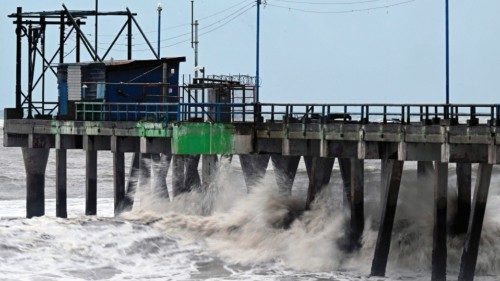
column 471, row 114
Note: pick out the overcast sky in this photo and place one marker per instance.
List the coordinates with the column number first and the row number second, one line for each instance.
column 393, row 54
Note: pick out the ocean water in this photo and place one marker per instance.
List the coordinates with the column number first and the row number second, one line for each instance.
column 223, row 233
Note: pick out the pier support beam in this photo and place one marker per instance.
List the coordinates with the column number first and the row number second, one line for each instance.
column 61, row 183
column 254, row 168
column 192, row 177
column 471, row 248
column 145, row 165
column 35, row 163
column 319, row 171
column 424, row 170
column 464, row 191
column 285, row 168
column 392, row 175
column 133, row 179
column 178, row 166
column 439, row 247
column 161, row 164
column 91, row 183
column 119, row 181
column 357, row 224
column 345, row 173
column 208, row 170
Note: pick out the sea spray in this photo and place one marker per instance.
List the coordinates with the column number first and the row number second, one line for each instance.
column 265, row 227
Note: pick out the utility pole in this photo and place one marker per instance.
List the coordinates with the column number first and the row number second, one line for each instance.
column 96, row 26
column 196, row 48
column 447, row 56
column 159, row 29
column 257, row 70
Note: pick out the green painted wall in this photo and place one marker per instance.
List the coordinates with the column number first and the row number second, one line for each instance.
column 202, row 138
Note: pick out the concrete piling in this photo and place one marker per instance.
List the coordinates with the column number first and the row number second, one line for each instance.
column 161, row 165
column 345, row 173
column 145, row 166
column 439, row 247
column 357, row 223
column 393, row 172
column 35, row 163
column 133, row 180
column 319, row 171
column 119, row 181
column 464, row 191
column 471, row 248
column 192, row 177
column 424, row 170
column 285, row 168
column 208, row 170
column 61, row 183
column 178, row 166
column 91, row 182
column 254, row 168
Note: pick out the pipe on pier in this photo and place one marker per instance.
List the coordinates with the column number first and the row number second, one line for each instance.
column 35, row 163
column 439, row 247
column 285, row 169
column 319, row 171
column 254, row 168
column 392, row 180
column 471, row 248
column 61, row 183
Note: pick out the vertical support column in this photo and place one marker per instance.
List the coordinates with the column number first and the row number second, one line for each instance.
column 464, row 192
column 254, row 168
column 145, row 170
column 208, row 170
column 19, row 45
column 192, row 177
column 178, row 166
column 471, row 248
column 345, row 173
column 91, row 182
column 35, row 163
column 319, row 171
column 285, row 168
column 161, row 164
column 133, row 179
column 439, row 247
column 383, row 179
column 119, row 181
column 357, row 203
column 392, row 180
column 61, row 183
column 129, row 38
column 424, row 169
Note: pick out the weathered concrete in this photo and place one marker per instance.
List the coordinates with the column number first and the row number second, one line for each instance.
column 471, row 248
column 425, row 171
column 285, row 168
column 192, row 176
column 145, row 166
column 345, row 173
column 208, row 170
column 439, row 247
column 91, row 183
column 357, row 223
column 161, row 165
column 61, row 183
column 35, row 163
column 119, row 181
column 133, row 180
column 254, row 168
column 393, row 172
column 464, row 192
column 319, row 171
column 178, row 174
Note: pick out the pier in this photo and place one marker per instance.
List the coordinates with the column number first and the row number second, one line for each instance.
column 146, row 109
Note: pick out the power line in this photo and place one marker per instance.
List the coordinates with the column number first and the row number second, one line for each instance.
column 329, row 3
column 341, row 11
